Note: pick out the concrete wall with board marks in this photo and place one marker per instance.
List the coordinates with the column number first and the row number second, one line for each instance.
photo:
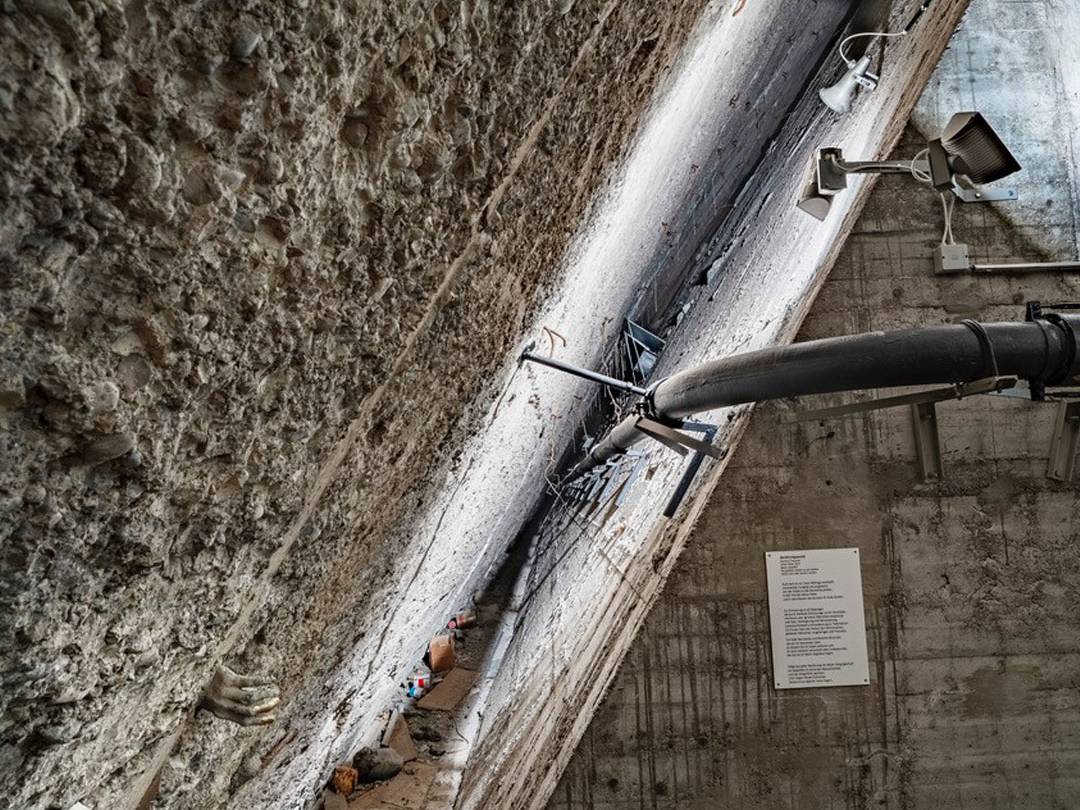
column 970, row 583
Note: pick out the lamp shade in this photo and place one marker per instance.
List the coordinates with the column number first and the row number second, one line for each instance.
column 838, row 97
column 975, row 150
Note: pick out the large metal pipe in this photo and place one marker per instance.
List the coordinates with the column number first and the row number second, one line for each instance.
column 1042, row 351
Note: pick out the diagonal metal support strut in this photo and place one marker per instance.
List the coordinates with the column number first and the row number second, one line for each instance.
column 987, row 386
column 677, row 441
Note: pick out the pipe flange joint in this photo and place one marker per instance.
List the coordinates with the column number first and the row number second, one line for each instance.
column 1065, row 368
column 647, row 406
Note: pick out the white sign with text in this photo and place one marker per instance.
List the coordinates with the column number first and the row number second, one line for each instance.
column 816, row 618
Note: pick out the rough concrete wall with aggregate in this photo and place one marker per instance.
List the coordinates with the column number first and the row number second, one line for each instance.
column 255, row 261
column 970, row 582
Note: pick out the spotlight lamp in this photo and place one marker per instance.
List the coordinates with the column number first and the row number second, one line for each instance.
column 970, row 150
column 839, row 96
column 968, row 154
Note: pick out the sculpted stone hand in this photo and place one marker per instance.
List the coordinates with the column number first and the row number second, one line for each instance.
column 247, row 700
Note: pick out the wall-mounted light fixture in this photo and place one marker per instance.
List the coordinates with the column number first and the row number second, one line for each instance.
column 838, row 97
column 968, row 154
column 969, row 149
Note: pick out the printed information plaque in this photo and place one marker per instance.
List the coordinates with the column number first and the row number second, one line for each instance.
column 816, row 618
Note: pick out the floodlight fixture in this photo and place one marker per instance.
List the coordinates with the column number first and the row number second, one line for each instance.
column 968, row 154
column 969, row 148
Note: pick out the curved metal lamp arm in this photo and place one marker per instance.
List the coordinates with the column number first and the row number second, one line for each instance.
column 879, row 166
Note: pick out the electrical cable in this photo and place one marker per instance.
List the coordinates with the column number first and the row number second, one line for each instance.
column 907, row 30
column 947, row 204
column 984, row 341
column 851, row 62
column 919, row 174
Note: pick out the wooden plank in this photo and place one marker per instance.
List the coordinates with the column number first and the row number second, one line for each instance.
column 397, row 736
column 406, row 791
column 448, row 694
